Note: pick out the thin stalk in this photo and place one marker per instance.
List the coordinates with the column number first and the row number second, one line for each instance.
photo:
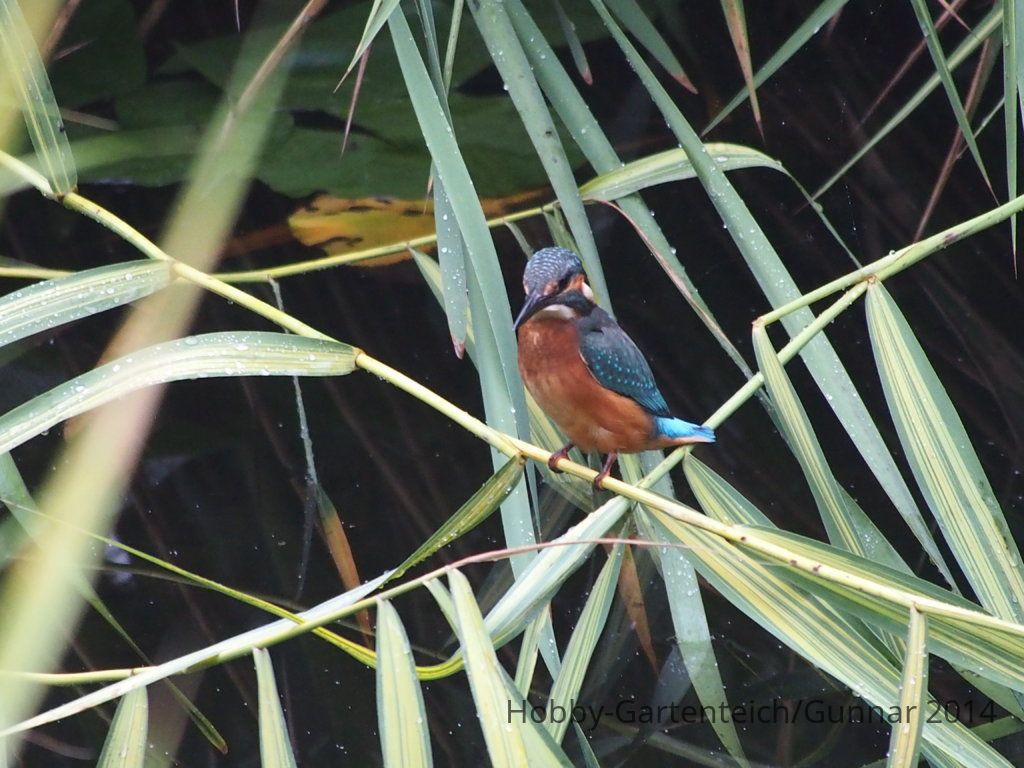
column 897, row 261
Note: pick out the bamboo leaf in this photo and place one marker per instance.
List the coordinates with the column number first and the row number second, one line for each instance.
column 779, row 287
column 579, row 56
column 736, row 20
column 275, row 746
column 995, row 653
column 905, row 743
column 249, row 353
column 505, row 741
column 541, row 579
column 582, row 643
column 125, row 746
column 25, row 69
column 404, row 736
column 693, row 638
column 527, row 662
column 378, row 16
column 451, row 254
column 783, row 53
column 635, row 20
column 45, row 305
column 820, row 635
column 512, row 64
column 478, row 508
column 845, row 522
column 671, row 165
column 946, row 467
column 931, row 38
column 224, row 650
column 1012, row 30
column 504, row 401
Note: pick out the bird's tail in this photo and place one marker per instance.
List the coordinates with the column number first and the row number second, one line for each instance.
column 677, row 429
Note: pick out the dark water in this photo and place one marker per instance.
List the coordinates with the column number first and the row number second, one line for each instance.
column 221, row 488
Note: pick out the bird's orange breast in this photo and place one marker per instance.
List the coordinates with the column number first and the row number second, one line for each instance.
column 592, row 417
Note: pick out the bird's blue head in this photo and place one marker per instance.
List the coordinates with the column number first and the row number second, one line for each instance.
column 549, row 273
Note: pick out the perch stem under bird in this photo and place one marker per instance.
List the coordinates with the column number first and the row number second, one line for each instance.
column 585, row 371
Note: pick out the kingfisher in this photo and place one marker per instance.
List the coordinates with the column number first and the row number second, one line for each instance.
column 585, row 371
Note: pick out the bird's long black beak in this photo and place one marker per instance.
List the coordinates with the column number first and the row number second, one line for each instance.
column 531, row 305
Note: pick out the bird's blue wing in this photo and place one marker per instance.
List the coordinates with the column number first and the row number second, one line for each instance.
column 618, row 364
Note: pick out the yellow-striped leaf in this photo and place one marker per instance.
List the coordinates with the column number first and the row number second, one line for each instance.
column 503, row 734
column 65, row 299
column 478, row 508
column 905, row 743
column 125, row 746
column 275, row 746
column 248, row 353
column 25, row 69
column 945, row 464
column 404, row 736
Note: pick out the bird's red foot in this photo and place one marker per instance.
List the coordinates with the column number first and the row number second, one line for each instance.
column 606, row 469
column 557, row 456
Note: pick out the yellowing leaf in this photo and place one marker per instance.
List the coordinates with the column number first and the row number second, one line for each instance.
column 346, row 225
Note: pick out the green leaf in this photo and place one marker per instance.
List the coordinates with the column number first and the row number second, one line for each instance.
column 582, row 643
column 62, row 300
column 451, row 255
column 527, row 662
column 379, row 14
column 1013, row 98
column 125, row 746
column 931, row 38
column 404, row 736
column 693, row 637
column 224, row 650
column 844, row 520
column 579, row 56
column 944, row 462
column 998, row 654
column 504, row 401
column 736, row 20
column 636, row 20
column 905, row 743
column 514, row 68
column 478, row 508
column 505, row 740
column 248, row 353
column 534, row 587
column 25, row 69
column 812, row 629
column 779, row 287
column 783, row 53
column 671, row 165
column 275, row 746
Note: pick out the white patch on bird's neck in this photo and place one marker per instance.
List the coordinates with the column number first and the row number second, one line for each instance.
column 587, row 293
column 556, row 312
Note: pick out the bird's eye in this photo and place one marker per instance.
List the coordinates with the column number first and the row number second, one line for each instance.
column 564, row 283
